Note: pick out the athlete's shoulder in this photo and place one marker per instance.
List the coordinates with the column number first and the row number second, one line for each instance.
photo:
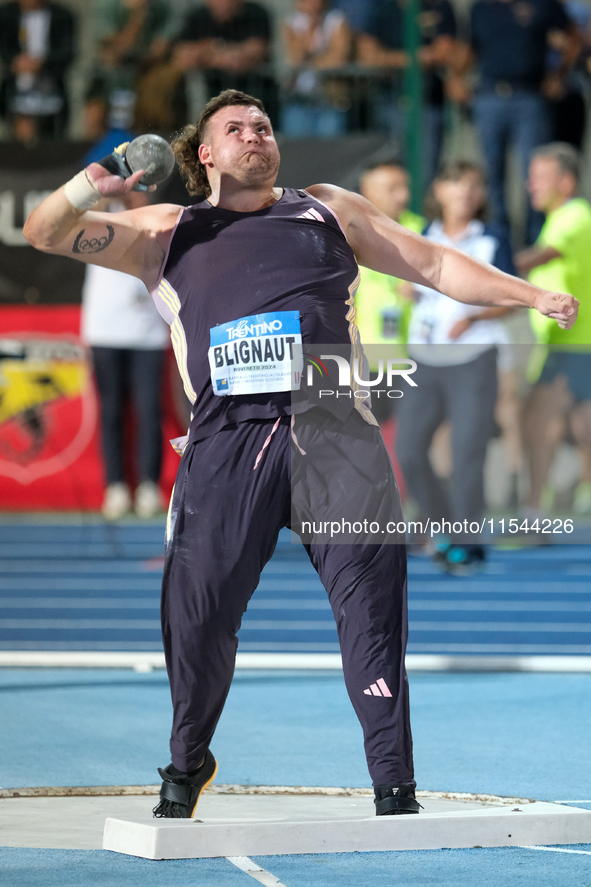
column 166, row 211
column 347, row 206
column 333, row 194
column 155, row 217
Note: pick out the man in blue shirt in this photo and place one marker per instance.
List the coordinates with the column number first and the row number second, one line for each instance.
column 510, row 40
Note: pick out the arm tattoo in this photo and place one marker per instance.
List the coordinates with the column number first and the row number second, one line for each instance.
column 84, row 245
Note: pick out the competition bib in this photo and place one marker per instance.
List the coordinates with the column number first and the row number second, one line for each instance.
column 257, row 354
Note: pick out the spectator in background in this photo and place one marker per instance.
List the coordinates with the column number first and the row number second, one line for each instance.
column 111, row 126
column 382, row 312
column 566, row 80
column 36, row 49
column 382, row 45
column 134, row 38
column 510, row 41
column 455, row 347
column 561, row 258
column 315, row 37
column 128, row 339
column 230, row 41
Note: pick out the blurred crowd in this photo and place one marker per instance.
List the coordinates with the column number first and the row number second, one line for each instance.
column 519, row 70
column 519, row 67
column 482, row 373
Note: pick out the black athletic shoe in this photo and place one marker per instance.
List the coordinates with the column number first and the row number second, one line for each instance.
column 394, row 800
column 179, row 794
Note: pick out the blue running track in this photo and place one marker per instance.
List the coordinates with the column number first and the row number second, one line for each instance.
column 512, row 867
column 90, row 586
column 524, row 735
column 96, row 587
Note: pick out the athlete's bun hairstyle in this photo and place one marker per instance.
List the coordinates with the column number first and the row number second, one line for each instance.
column 186, row 146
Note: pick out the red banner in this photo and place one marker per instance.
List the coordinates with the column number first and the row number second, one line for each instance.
column 49, row 414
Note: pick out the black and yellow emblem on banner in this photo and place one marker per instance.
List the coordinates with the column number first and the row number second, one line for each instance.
column 47, row 405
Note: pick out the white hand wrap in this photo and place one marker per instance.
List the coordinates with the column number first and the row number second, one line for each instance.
column 81, row 192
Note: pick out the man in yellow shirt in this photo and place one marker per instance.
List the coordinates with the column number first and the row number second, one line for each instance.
column 382, row 312
column 561, row 260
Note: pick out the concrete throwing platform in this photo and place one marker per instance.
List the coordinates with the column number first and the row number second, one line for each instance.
column 285, row 824
column 236, row 821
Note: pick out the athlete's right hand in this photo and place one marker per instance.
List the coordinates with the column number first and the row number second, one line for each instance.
column 563, row 307
column 110, row 185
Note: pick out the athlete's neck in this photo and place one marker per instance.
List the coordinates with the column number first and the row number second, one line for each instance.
column 245, row 201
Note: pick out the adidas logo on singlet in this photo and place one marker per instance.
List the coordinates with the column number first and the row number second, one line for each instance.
column 312, row 214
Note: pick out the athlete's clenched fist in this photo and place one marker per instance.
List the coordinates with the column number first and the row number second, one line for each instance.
column 560, row 306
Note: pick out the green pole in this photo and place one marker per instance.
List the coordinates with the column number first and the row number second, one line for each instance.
column 412, row 100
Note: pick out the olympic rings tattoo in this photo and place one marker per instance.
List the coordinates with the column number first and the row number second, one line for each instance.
column 93, row 244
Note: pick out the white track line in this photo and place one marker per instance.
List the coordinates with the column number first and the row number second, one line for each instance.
column 255, row 871
column 554, row 849
column 146, row 661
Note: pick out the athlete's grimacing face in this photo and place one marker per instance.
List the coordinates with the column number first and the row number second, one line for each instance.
column 240, row 145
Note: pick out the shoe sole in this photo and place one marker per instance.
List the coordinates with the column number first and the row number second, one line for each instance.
column 399, row 813
column 205, row 785
column 398, row 806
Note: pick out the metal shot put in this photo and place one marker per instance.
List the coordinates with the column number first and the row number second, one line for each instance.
column 260, row 455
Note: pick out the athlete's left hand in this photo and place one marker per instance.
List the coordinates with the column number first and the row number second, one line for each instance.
column 560, row 306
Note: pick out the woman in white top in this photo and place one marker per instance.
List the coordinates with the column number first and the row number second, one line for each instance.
column 128, row 339
column 315, row 37
column 455, row 347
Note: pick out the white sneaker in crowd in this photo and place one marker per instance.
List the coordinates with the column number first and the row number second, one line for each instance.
column 117, row 501
column 148, row 502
